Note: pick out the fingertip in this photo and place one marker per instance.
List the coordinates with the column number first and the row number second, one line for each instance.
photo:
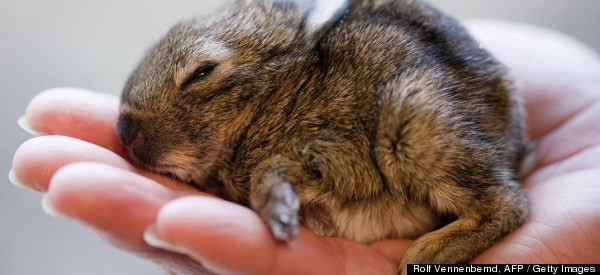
column 69, row 190
column 223, row 236
column 16, row 182
column 112, row 200
column 44, row 102
column 152, row 240
column 27, row 172
column 37, row 159
column 24, row 124
column 186, row 216
column 74, row 112
column 50, row 210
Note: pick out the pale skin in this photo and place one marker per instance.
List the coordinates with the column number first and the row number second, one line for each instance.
column 79, row 165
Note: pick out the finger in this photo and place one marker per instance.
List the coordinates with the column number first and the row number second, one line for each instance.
column 226, row 238
column 583, row 160
column 547, row 67
column 120, row 205
column 76, row 113
column 112, row 200
column 36, row 161
column 579, row 133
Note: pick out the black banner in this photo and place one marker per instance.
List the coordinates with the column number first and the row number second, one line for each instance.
column 497, row 269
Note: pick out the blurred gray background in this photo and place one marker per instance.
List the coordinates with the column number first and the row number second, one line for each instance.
column 95, row 45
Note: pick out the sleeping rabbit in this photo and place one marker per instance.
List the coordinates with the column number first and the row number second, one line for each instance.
column 357, row 119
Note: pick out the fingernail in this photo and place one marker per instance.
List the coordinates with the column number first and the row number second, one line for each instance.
column 50, row 210
column 24, row 124
column 16, row 182
column 152, row 240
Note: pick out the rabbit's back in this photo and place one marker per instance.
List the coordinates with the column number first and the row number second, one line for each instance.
column 428, row 107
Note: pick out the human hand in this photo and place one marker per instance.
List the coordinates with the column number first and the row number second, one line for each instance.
column 87, row 178
column 559, row 81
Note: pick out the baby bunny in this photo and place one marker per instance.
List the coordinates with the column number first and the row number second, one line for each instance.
column 358, row 119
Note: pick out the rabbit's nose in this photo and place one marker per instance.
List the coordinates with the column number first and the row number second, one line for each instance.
column 130, row 132
column 127, row 129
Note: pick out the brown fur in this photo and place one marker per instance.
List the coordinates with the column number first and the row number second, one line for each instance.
column 386, row 121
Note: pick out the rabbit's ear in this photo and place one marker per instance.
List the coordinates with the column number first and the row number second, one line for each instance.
column 320, row 14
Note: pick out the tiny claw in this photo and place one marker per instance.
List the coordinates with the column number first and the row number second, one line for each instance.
column 292, row 202
column 285, row 218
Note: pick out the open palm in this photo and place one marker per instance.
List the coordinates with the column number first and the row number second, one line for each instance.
column 80, row 165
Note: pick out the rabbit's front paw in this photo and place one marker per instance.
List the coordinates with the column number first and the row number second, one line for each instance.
column 281, row 212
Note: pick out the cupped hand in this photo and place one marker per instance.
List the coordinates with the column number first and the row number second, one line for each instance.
column 80, row 165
